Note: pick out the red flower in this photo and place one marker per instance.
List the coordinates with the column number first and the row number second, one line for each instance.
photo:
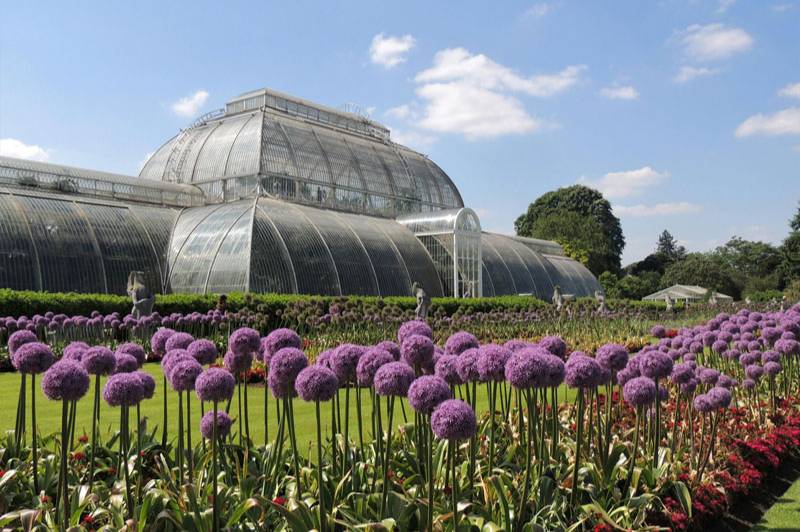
column 602, row 527
column 83, row 438
column 78, row 456
column 88, row 519
column 279, row 500
column 448, row 490
column 2, row 472
column 44, row 499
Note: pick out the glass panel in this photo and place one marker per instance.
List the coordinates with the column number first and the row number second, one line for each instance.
column 244, row 155
column 270, row 264
column 229, row 272
column 498, row 273
column 17, row 256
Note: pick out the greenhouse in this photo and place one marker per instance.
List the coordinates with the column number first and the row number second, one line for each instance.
column 270, row 194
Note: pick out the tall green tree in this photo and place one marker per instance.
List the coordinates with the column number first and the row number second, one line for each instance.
column 580, row 219
column 669, row 247
column 754, row 265
column 702, row 269
column 789, row 268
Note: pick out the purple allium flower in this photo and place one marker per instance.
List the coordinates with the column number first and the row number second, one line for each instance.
column 178, row 340
column 639, row 391
column 703, row 403
column 33, row 357
column 238, row 363
column 446, row 369
column 772, row 368
column 656, row 365
column 204, row 351
column 719, row 397
column 243, row 341
column 125, row 363
column 453, row 420
column 391, row 347
column 788, row 347
column 466, row 365
column 99, row 360
column 412, row 328
column 708, row 375
column 658, row 331
column 277, row 340
column 527, row 368
column 317, row 383
column 770, row 356
column 66, row 380
column 284, row 367
column 491, row 363
column 393, row 378
column 555, row 371
column 224, row 423
column 754, row 371
column 158, row 342
column 215, row 385
column 148, row 384
column 582, row 371
column 184, row 373
column 417, row 350
column 344, row 362
column 719, row 346
column 134, row 350
column 748, row 384
column 748, row 358
column 612, row 357
column 171, row 358
column 516, row 345
column 426, row 392
column 123, row 389
column 324, row 358
column 770, row 334
column 459, row 342
column 372, row 359
column 688, row 387
column 555, row 345
column 75, row 351
column 696, row 347
column 18, row 339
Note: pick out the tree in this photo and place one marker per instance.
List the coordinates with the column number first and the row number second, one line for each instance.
column 579, row 218
column 794, row 223
column 754, row 265
column 789, row 268
column 702, row 269
column 669, row 247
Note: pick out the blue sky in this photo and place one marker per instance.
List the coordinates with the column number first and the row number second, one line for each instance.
column 685, row 113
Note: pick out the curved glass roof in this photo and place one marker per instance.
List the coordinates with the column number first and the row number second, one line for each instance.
column 266, row 245
column 307, row 154
column 59, row 243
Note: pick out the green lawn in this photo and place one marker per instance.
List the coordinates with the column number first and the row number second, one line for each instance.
column 49, row 412
column 785, row 513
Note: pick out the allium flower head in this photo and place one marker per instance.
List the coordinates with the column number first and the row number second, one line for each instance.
column 703, row 403
column 725, row 381
column 748, row 384
column 770, row 356
column 446, row 369
column 393, row 378
column 224, row 423
column 75, row 351
column 426, row 392
column 204, row 351
column 556, row 371
column 787, row 347
column 184, row 374
column 491, row 363
column 238, row 363
column 148, row 384
column 658, row 331
column 168, row 360
column 317, row 383
column 612, row 357
column 134, row 350
column 453, row 420
column 391, row 347
column 656, row 365
column 66, row 380
column 20, row 338
column 555, row 345
column 466, row 365
column 688, row 387
column 582, row 371
column 772, row 368
column 708, row 375
column 746, row 359
column 639, row 391
column 344, row 362
column 417, row 350
column 324, row 358
column 719, row 397
column 285, row 365
column 179, row 340
column 413, row 327
column 244, row 341
column 125, row 363
column 372, row 359
column 719, row 346
column 158, row 342
column 99, row 360
column 754, row 371
column 215, row 385
column 123, row 389
column 459, row 342
column 277, row 340
column 516, row 345
column 33, row 357
column 527, row 368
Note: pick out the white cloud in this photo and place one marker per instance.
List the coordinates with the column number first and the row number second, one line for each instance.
column 390, row 51
column 659, row 209
column 459, row 65
column 412, row 139
column 538, row 10
column 790, row 91
column 785, row 122
column 627, row 183
column 401, row 112
column 189, row 105
column 16, row 148
column 626, row 92
column 687, row 73
column 714, row 41
column 782, row 8
column 724, row 5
